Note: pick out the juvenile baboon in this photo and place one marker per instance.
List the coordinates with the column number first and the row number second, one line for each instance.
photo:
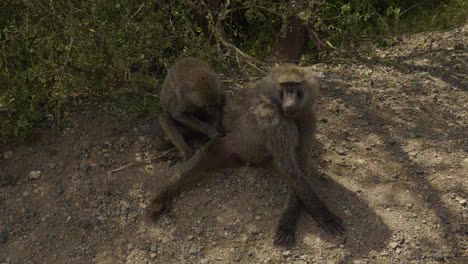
column 273, row 120
column 192, row 97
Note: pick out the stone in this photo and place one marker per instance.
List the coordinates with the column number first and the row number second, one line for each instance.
column 7, row 154
column 34, row 175
column 3, row 237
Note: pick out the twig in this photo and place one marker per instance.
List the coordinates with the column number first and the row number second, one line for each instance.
column 151, row 94
column 428, row 181
column 216, row 27
column 139, row 163
column 255, row 66
column 138, row 10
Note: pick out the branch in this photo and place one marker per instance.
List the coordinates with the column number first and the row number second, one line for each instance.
column 139, row 163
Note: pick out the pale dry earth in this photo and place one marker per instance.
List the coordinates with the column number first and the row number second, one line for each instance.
column 393, row 135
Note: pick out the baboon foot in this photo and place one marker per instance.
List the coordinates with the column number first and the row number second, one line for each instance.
column 160, row 204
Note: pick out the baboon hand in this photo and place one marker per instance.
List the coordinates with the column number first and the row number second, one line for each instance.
column 158, row 205
column 284, row 235
column 214, row 134
column 330, row 223
column 187, row 154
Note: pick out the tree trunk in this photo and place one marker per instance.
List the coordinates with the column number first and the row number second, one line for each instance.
column 289, row 46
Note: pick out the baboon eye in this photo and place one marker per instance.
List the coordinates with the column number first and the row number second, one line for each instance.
column 299, row 94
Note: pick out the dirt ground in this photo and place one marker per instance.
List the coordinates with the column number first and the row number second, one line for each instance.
column 393, row 129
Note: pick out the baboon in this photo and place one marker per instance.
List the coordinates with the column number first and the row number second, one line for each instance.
column 191, row 97
column 273, row 120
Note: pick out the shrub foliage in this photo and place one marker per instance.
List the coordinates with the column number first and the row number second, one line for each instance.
column 63, row 55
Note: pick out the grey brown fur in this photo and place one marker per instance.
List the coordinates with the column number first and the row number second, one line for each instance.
column 272, row 120
column 192, row 97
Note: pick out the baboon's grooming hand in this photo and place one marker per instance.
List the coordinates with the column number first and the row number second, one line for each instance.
column 214, row 134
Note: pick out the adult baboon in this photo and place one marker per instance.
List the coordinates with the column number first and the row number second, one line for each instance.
column 273, row 120
column 193, row 97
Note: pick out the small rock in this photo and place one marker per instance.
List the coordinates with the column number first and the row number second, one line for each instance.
column 154, row 248
column 86, row 145
column 105, row 145
column 324, row 120
column 6, row 179
column 438, row 256
column 84, row 166
column 198, row 231
column 393, row 245
column 286, row 253
column 194, row 250
column 153, row 255
column 34, row 175
column 237, row 258
column 442, row 215
column 129, row 246
column 465, row 148
column 52, row 165
column 75, row 177
column 459, row 46
column 340, row 150
column 463, row 201
column 7, row 154
column 3, row 237
column 358, row 262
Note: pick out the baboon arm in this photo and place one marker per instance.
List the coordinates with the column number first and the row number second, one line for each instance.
column 282, row 141
column 307, row 139
column 175, row 136
column 196, row 124
column 305, row 191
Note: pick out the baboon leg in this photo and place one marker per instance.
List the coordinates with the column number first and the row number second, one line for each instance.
column 210, row 157
column 287, row 223
column 219, row 116
column 197, row 125
column 175, row 136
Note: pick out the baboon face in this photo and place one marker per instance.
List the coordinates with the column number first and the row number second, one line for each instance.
column 291, row 98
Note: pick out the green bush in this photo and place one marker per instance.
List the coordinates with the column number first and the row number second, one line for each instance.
column 60, row 56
